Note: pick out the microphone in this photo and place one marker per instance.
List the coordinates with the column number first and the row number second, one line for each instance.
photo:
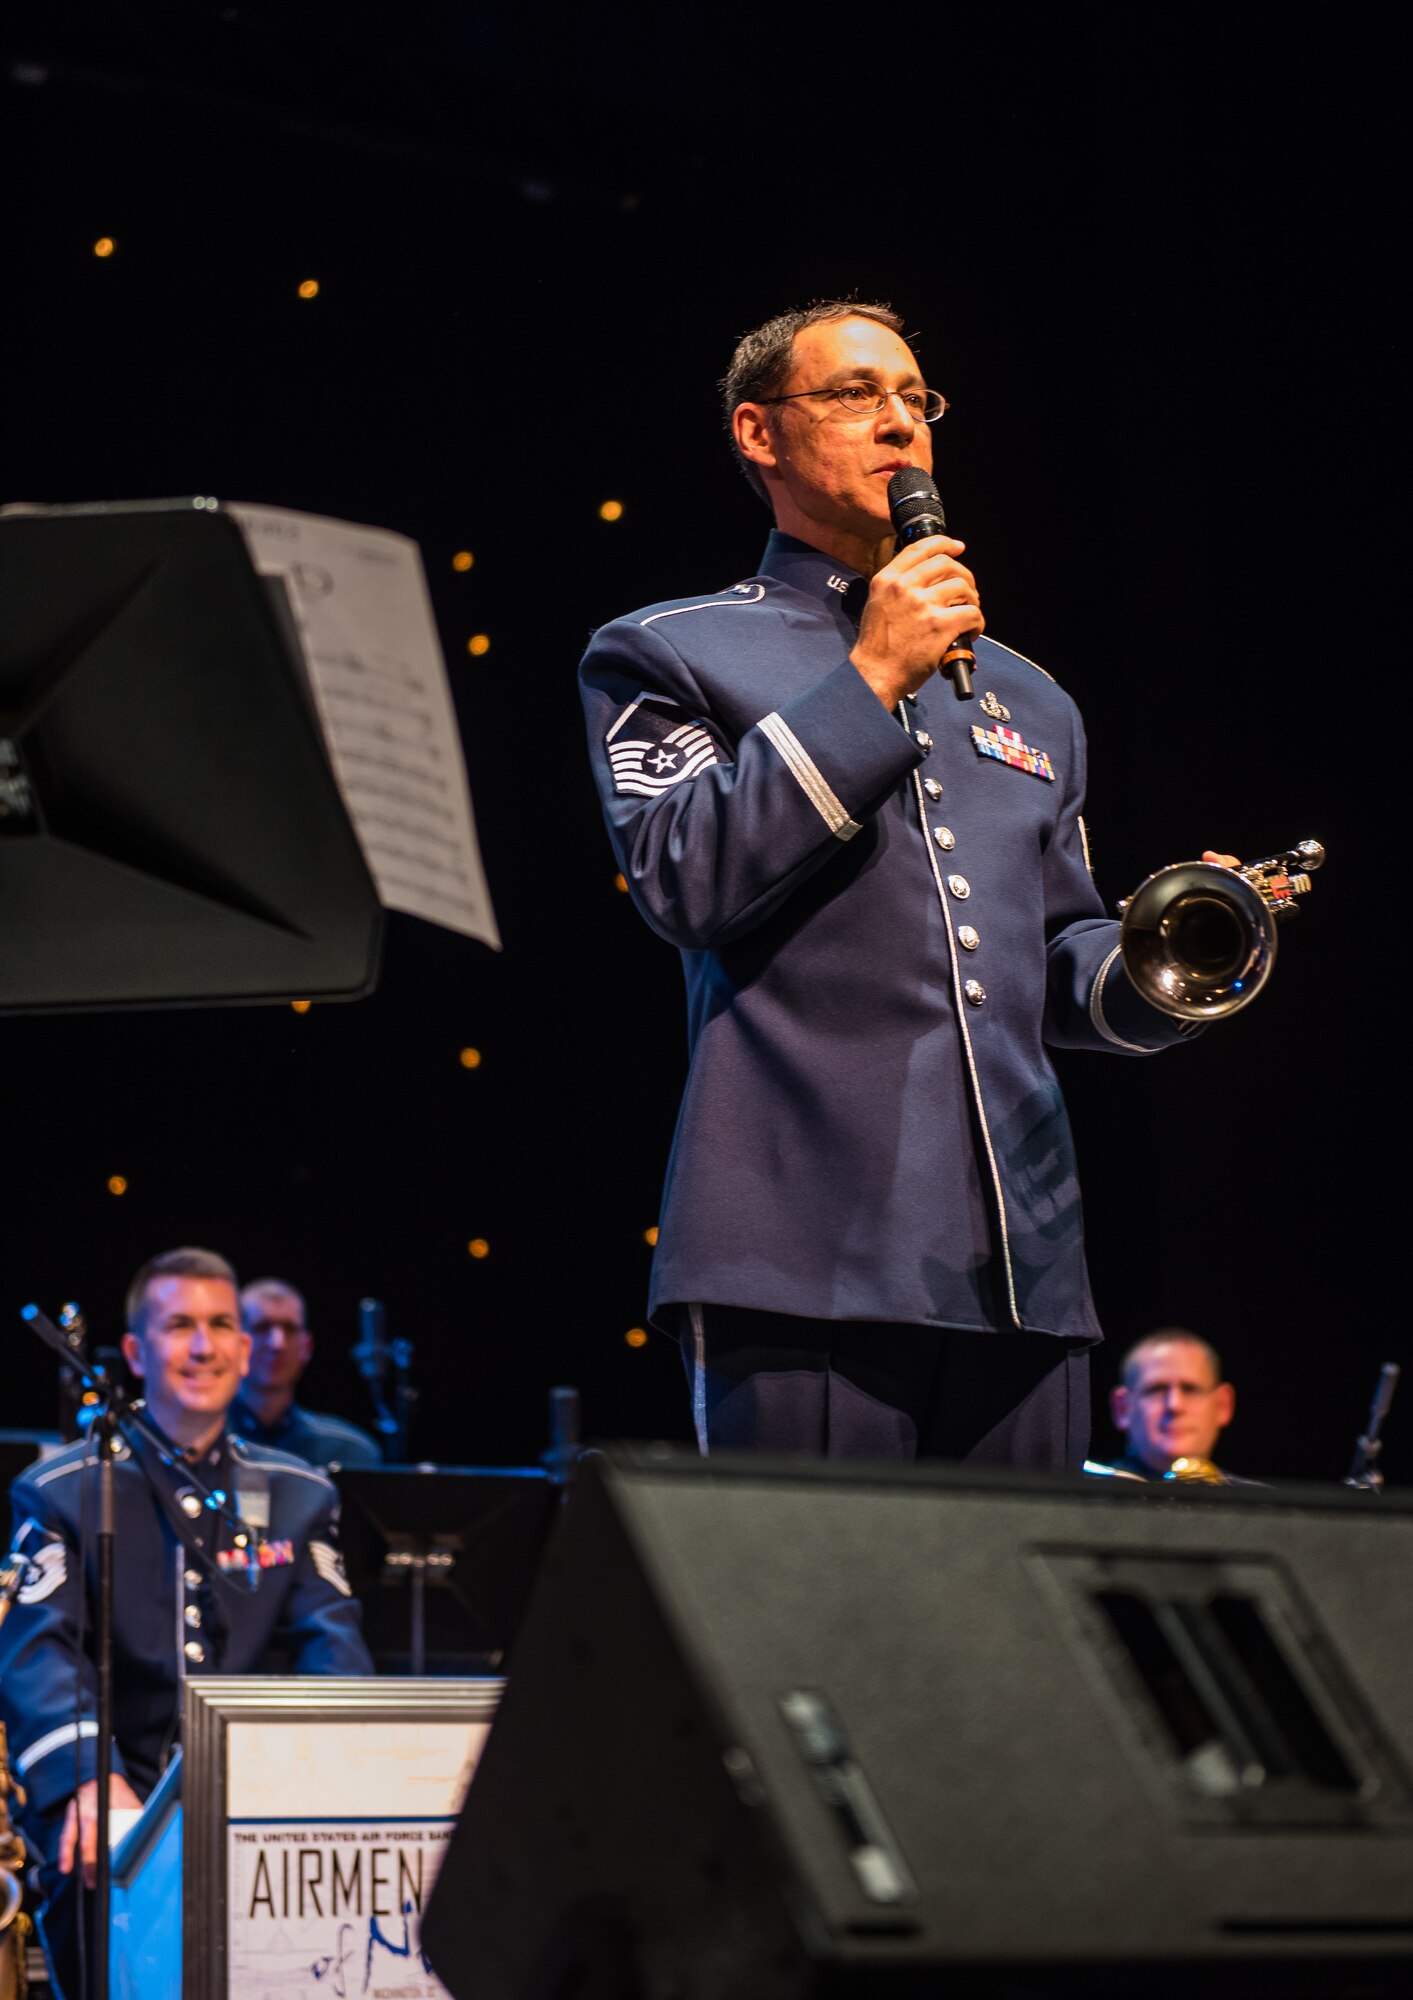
column 916, row 507
column 371, row 1352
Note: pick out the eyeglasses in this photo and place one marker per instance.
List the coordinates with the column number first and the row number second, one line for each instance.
column 866, row 399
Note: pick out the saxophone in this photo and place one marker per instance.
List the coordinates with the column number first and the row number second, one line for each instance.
column 15, row 1927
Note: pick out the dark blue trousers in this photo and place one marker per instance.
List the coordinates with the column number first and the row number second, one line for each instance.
column 65, row 1916
column 872, row 1389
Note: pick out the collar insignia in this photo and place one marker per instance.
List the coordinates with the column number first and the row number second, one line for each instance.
column 1006, row 747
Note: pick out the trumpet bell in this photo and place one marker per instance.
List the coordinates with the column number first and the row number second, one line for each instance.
column 1198, row 940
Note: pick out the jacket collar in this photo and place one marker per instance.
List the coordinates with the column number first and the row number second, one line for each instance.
column 815, row 575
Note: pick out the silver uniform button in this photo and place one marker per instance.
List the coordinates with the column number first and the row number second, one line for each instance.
column 945, row 838
column 967, row 938
column 190, row 1505
column 192, row 1578
column 959, row 886
column 193, row 1614
column 932, row 788
column 975, row 992
column 923, row 741
column 194, row 1650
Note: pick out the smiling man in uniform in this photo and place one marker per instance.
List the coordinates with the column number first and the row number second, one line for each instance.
column 870, row 1242
column 187, row 1599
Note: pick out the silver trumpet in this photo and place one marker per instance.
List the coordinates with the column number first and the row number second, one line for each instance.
column 1199, row 940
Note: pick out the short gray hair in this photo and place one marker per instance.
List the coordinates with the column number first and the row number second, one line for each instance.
column 760, row 367
column 268, row 1288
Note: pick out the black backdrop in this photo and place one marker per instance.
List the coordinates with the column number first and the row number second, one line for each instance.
column 1148, row 257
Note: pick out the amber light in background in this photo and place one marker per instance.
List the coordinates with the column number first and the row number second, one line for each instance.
column 478, row 1247
column 470, row 1058
column 462, row 561
column 117, row 1184
column 309, row 289
column 636, row 1336
column 477, row 644
column 104, row 247
column 301, row 1006
column 611, row 510
column 650, row 1236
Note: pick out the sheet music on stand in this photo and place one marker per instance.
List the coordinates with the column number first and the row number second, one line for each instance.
column 360, row 606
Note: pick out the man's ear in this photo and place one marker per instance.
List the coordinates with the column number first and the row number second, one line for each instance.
column 752, row 426
column 132, row 1353
column 1224, row 1404
column 1120, row 1406
column 306, row 1348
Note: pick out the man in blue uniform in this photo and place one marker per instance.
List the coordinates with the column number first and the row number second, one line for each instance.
column 870, row 1241
column 265, row 1411
column 1172, row 1405
column 187, row 1600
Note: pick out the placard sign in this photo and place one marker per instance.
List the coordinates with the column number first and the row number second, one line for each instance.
column 333, row 1833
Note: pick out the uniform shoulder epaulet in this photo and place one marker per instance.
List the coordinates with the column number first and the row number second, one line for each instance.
column 73, row 1458
column 750, row 592
column 1024, row 658
column 272, row 1459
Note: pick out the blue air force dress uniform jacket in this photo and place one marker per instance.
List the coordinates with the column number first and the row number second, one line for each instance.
column 183, row 1605
column 883, row 920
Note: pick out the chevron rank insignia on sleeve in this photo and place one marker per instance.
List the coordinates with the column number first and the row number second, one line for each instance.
column 651, row 752
column 48, row 1568
column 329, row 1563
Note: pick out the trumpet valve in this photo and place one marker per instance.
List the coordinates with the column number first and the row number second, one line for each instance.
column 1278, row 886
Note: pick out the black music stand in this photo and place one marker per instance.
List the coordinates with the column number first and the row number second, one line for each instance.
column 170, row 829
column 442, row 1559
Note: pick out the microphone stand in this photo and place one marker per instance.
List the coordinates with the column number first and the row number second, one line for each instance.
column 105, row 1427
column 1365, row 1472
column 375, row 1355
column 565, row 1450
column 112, row 1410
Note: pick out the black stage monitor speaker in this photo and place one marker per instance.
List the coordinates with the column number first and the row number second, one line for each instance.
column 775, row 1729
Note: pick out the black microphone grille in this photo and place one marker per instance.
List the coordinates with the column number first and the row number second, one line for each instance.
column 913, row 495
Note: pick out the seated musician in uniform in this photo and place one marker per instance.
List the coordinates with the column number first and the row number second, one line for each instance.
column 1172, row 1406
column 265, row 1411
column 188, row 1599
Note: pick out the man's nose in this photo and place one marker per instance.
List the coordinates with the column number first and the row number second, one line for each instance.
column 201, row 1339
column 895, row 416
